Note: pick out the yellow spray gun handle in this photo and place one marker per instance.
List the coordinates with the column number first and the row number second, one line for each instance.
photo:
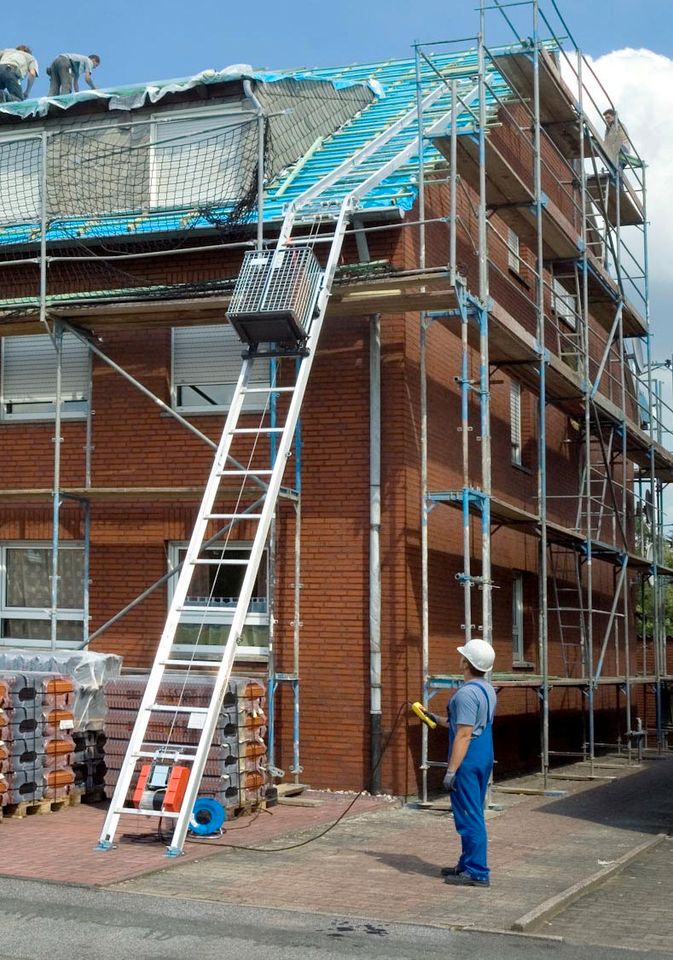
column 423, row 715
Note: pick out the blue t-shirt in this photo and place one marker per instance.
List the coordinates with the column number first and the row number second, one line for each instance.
column 472, row 704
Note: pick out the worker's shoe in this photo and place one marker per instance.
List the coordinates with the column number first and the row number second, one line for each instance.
column 449, row 871
column 466, row 880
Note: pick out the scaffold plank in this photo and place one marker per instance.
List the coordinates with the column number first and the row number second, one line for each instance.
column 630, row 208
column 558, row 113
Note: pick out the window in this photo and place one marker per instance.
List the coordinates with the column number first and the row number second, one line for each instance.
column 515, row 421
column 517, row 619
column 20, row 178
column 29, row 378
column 211, row 602
column 206, row 365
column 196, row 161
column 25, row 594
column 513, row 261
column 564, row 304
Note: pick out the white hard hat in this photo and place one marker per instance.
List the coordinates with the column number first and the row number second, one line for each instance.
column 479, row 653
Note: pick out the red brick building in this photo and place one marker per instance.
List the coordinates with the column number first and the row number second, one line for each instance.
column 146, row 277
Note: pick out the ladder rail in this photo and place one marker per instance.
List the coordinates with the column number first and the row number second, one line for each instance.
column 259, row 543
column 173, row 618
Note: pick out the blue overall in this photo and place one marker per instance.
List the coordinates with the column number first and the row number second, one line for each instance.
column 469, row 795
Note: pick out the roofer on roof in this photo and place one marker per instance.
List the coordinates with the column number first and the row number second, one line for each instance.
column 66, row 70
column 15, row 64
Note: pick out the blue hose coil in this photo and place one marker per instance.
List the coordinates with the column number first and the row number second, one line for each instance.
column 207, row 817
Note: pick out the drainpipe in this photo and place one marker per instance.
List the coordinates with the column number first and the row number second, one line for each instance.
column 374, row 549
column 375, row 710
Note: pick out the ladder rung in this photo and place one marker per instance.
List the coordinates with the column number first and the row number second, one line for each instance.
column 175, row 708
column 256, row 430
column 245, row 473
column 232, row 516
column 189, row 663
column 147, row 754
column 146, row 813
column 268, row 390
column 217, row 563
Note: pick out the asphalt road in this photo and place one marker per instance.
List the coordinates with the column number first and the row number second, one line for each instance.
column 40, row 921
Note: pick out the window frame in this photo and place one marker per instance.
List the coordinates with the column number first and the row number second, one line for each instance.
column 513, row 251
column 564, row 304
column 253, row 403
column 64, row 614
column 222, row 616
column 515, row 423
column 160, row 120
column 45, row 410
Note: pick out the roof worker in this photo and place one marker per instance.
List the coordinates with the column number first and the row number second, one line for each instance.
column 17, row 63
column 617, row 144
column 470, row 721
column 67, row 68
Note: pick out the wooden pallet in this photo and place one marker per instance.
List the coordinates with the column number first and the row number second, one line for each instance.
column 32, row 808
column 245, row 809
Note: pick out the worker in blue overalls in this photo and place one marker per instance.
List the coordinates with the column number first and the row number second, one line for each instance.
column 470, row 722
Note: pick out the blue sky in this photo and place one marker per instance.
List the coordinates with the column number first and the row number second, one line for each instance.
column 140, row 41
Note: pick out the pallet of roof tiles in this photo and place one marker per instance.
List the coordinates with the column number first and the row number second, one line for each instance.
column 38, row 750
column 238, row 746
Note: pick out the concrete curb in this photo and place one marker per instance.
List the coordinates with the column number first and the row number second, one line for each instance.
column 549, row 908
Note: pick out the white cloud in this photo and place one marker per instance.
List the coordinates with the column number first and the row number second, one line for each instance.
column 640, row 84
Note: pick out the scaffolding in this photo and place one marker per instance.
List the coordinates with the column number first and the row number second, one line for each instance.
column 582, row 211
column 581, row 343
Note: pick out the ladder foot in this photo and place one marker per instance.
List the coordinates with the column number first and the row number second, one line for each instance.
column 174, row 852
column 104, row 845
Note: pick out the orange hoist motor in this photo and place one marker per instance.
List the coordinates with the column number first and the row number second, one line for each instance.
column 161, row 787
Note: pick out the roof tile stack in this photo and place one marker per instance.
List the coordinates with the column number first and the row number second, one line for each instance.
column 36, row 746
column 235, row 771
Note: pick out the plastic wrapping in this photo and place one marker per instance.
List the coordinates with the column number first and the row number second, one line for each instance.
column 88, row 670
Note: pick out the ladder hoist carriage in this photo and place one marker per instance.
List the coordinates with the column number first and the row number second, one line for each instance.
column 275, row 297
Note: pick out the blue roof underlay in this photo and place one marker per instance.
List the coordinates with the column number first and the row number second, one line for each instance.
column 394, row 83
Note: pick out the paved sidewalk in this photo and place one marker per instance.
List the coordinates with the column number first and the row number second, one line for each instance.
column 634, row 910
column 384, row 863
column 61, row 846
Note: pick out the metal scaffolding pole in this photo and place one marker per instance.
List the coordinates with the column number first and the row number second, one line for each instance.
column 56, row 492
column 484, row 369
column 543, row 621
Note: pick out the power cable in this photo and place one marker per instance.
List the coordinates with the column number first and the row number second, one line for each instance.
column 318, row 836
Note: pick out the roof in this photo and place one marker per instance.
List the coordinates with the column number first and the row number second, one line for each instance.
column 394, row 85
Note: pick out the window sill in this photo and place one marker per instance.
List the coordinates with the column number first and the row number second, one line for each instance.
column 207, row 412
column 522, row 468
column 523, row 665
column 23, row 420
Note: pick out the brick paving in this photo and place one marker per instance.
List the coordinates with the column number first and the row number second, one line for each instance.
column 384, row 863
column 635, row 909
column 61, row 846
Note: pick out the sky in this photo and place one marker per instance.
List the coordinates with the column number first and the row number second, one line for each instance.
column 140, row 40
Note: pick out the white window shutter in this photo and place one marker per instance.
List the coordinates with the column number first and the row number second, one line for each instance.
column 515, row 419
column 210, row 354
column 29, row 369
